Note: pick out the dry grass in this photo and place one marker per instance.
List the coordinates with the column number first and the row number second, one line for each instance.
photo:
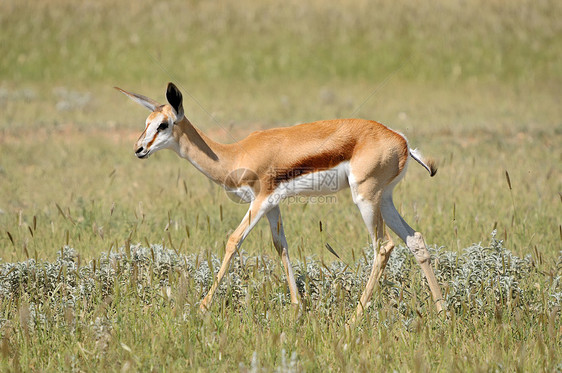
column 474, row 85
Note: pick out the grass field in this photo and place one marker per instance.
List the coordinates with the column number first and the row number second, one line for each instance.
column 104, row 257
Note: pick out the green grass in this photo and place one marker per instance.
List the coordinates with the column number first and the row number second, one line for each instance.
column 199, row 42
column 474, row 85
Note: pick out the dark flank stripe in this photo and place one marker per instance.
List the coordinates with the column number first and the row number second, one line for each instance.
column 314, row 163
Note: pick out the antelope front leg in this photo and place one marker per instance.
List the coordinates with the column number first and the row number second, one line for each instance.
column 254, row 214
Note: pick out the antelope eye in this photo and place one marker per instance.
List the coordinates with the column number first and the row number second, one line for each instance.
column 162, row 126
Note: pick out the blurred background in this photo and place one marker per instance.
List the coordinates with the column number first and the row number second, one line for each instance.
column 474, row 84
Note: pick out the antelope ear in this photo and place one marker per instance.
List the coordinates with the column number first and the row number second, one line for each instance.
column 140, row 99
column 175, row 99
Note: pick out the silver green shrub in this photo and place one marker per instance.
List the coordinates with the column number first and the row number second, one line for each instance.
column 480, row 279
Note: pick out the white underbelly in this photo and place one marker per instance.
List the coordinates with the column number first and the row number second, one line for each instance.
column 315, row 183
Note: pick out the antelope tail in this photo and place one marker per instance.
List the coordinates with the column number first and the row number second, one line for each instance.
column 429, row 164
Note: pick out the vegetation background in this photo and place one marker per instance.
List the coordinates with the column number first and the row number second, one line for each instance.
column 474, row 84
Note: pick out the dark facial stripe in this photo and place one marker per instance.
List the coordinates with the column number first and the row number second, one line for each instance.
column 152, row 141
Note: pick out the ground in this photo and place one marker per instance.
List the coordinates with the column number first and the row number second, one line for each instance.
column 474, row 85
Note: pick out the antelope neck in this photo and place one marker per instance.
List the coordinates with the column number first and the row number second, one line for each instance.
column 208, row 156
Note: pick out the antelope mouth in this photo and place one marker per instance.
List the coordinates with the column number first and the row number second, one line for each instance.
column 142, row 153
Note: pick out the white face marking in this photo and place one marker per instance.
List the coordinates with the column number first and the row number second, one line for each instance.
column 152, row 125
column 315, row 183
column 157, row 135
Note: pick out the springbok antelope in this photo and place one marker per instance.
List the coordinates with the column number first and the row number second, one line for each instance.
column 307, row 159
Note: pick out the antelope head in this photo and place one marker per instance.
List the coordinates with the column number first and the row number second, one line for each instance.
column 158, row 133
